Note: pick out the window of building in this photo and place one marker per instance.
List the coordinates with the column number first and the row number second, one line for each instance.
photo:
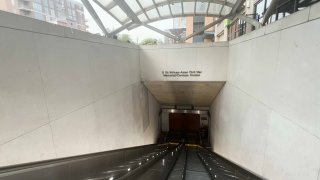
column 45, row 3
column 52, row 13
column 37, row 7
column 51, row 4
column 260, row 9
column 236, row 29
column 198, row 23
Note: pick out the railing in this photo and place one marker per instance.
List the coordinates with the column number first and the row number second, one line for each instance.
column 238, row 27
column 220, row 168
column 105, row 165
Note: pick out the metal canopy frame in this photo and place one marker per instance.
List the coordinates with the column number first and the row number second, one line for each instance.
column 95, row 16
column 135, row 13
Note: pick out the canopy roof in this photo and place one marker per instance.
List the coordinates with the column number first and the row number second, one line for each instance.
column 134, row 13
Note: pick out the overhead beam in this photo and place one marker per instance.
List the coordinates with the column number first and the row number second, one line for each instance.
column 144, row 12
column 206, row 27
column 208, row 9
column 133, row 26
column 126, row 9
column 221, row 2
column 169, row 8
column 237, row 6
column 195, row 7
column 155, row 4
column 95, row 16
column 162, row 32
column 111, row 5
column 182, row 8
column 107, row 10
column 249, row 20
column 222, row 8
column 174, row 16
column 271, row 9
column 121, row 29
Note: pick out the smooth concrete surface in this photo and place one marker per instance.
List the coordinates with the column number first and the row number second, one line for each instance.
column 314, row 11
column 184, row 92
column 64, row 92
column 266, row 118
column 210, row 59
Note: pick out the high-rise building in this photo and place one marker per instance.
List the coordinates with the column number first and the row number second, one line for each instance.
column 178, row 30
column 194, row 24
column 68, row 13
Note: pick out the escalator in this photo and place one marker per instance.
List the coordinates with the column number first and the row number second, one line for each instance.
column 173, row 161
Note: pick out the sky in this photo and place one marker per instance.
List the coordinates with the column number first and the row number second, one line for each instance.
column 137, row 34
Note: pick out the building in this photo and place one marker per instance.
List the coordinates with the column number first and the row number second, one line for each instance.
column 178, row 30
column 256, row 9
column 68, row 13
column 195, row 23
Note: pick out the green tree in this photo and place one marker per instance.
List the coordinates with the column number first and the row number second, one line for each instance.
column 149, row 41
column 125, row 38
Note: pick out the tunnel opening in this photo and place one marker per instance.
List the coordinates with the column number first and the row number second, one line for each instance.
column 185, row 126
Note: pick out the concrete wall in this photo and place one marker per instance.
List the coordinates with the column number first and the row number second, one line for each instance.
column 266, row 118
column 64, row 92
column 210, row 58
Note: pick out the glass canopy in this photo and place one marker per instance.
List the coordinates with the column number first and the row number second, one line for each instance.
column 134, row 13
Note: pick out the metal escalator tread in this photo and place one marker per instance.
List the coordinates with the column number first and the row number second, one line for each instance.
column 177, row 172
column 195, row 168
column 161, row 169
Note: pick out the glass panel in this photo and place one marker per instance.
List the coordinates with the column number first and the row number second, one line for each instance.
column 117, row 11
column 268, row 3
column 133, row 5
column 142, row 18
column 159, row 1
column 176, row 8
column 164, row 10
column 152, row 14
column 214, row 8
column 188, row 7
column 260, row 10
column 145, row 3
column 232, row 1
column 105, row 2
column 108, row 21
column 226, row 10
column 201, row 7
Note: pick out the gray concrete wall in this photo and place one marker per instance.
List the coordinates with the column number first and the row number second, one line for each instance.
column 65, row 92
column 209, row 58
column 266, row 118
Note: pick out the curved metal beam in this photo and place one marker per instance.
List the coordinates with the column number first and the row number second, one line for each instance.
column 237, row 6
column 176, row 16
column 162, row 32
column 169, row 17
column 127, row 10
column 120, row 29
column 249, row 20
column 107, row 10
column 95, row 16
column 271, row 9
column 144, row 12
column 206, row 27
column 221, row 2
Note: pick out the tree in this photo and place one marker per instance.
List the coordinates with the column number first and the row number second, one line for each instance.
column 125, row 38
column 149, row 41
